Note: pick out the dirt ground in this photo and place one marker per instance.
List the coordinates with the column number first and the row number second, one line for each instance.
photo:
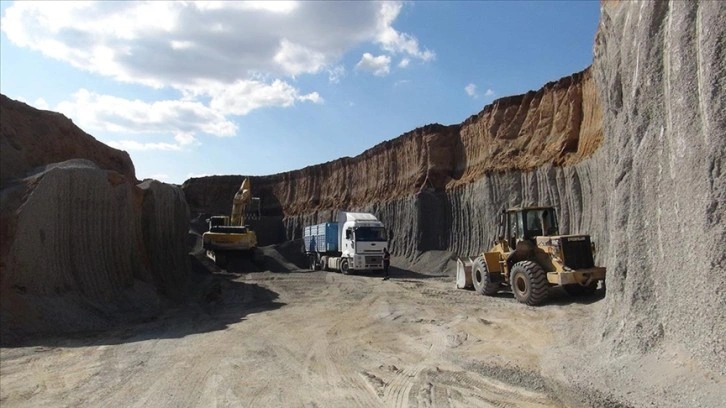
column 306, row 339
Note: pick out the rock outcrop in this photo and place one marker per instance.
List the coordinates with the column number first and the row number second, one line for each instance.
column 83, row 247
column 661, row 72
column 33, row 137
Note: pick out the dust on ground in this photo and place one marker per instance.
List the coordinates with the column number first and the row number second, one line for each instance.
column 310, row 339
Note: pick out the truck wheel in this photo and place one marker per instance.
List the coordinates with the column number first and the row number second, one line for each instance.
column 579, row 290
column 312, row 262
column 324, row 263
column 344, row 267
column 482, row 279
column 529, row 283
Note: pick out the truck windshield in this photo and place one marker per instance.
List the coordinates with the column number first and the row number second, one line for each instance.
column 367, row 234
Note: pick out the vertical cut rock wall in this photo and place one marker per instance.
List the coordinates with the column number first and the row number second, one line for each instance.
column 660, row 69
column 84, row 248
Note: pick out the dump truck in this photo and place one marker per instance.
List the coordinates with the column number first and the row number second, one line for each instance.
column 529, row 256
column 354, row 243
column 229, row 236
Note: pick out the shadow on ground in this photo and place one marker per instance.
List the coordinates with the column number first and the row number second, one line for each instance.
column 215, row 302
column 557, row 297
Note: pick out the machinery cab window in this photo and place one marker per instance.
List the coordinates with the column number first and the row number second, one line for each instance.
column 540, row 222
column 515, row 231
column 530, row 223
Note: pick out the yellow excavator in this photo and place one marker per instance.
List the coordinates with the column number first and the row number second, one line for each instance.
column 228, row 236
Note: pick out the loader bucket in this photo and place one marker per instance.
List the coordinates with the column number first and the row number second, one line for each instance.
column 463, row 273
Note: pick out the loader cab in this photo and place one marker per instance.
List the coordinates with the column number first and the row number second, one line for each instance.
column 527, row 223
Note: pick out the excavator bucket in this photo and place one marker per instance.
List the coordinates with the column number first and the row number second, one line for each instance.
column 463, row 273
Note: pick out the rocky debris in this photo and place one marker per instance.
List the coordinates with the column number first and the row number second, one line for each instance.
column 31, row 137
column 84, row 248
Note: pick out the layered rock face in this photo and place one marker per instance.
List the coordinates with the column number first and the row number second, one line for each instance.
column 83, row 247
column 661, row 71
column 33, row 137
column 432, row 170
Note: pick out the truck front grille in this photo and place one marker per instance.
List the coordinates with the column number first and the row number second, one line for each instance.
column 577, row 252
column 374, row 260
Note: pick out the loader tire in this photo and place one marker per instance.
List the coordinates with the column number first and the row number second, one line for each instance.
column 579, row 290
column 482, row 279
column 529, row 283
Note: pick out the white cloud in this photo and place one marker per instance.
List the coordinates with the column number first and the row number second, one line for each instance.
column 179, row 44
column 132, row 145
column 184, row 119
column 197, row 175
column 222, row 57
column 470, row 90
column 489, row 93
column 402, row 82
column 242, row 97
column 379, row 66
column 394, row 41
column 297, row 59
column 40, row 103
column 335, row 74
column 185, row 138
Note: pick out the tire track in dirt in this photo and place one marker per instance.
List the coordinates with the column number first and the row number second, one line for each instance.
column 333, row 340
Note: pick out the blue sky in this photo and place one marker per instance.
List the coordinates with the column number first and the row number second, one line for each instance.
column 257, row 88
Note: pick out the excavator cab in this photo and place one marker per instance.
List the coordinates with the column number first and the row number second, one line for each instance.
column 230, row 235
column 252, row 209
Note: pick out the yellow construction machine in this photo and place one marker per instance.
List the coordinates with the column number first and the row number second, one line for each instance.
column 228, row 236
column 529, row 255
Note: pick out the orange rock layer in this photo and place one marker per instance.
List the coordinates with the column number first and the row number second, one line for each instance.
column 560, row 124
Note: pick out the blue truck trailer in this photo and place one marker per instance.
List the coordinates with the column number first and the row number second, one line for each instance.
column 321, row 238
column 354, row 243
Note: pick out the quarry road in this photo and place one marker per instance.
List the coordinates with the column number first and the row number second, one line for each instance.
column 304, row 339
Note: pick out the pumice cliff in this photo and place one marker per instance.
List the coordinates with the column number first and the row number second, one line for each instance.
column 83, row 246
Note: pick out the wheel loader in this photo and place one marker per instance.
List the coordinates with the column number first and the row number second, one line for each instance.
column 529, row 255
column 228, row 236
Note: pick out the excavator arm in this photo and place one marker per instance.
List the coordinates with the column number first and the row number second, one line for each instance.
column 241, row 199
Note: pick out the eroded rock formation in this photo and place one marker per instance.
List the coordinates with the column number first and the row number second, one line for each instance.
column 33, row 137
column 662, row 76
column 83, row 247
